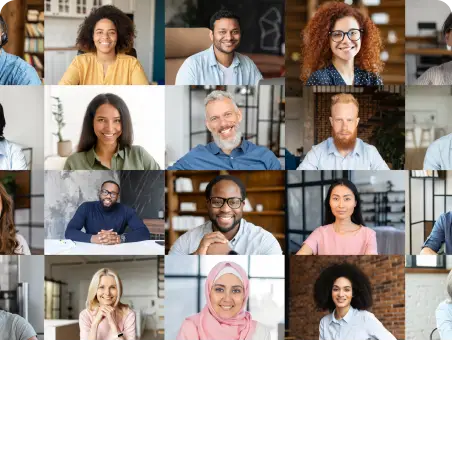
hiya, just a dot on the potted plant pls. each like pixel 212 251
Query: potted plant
pixel 64 147
pixel 9 182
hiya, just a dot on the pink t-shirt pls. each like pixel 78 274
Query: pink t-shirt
pixel 325 241
pixel 126 325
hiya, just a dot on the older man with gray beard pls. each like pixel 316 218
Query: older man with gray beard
pixel 229 151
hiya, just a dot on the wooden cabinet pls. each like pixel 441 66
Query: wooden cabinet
pixel 81 8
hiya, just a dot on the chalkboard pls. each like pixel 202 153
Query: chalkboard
pixel 144 191
pixel 262 22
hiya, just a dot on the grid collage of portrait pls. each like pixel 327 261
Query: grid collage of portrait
pixel 225 170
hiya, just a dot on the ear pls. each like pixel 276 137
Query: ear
pixel 239 115
pixel 357 121
pixel 207 125
pixel 331 121
pixel 211 35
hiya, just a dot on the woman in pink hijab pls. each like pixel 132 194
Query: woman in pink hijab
pixel 224 317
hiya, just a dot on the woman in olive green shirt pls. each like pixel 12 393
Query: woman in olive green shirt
pixel 106 139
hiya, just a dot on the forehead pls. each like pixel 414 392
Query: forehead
pixel 107 279
pixel 229 279
pixel 219 106
pixel 225 24
pixel 110 187
pixel 105 24
pixel 346 23
pixel 341 191
pixel 344 109
pixel 342 282
pixel 107 110
pixel 226 188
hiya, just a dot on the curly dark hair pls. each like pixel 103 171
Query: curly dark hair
pixel 124 28
pixel 357 216
pixel 362 289
pixel 223 14
pixel 315 47
pixel 88 138
pixel 8 241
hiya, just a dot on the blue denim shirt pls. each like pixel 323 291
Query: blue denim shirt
pixel 442 232
pixel 247 156
pixel 15 71
pixel 202 68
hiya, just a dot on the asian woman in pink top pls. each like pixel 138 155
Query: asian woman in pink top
pixel 105 317
pixel 343 232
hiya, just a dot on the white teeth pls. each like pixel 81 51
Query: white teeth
pixel 226 131
pixel 227 308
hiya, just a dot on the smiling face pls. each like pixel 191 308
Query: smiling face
pixel 344 122
pixel 347 49
pixel 108 200
pixel 105 36
pixel 342 202
pixel 342 292
pixel 227 296
pixel 107 291
pixel 223 121
pixel 225 35
pixel 107 124
pixel 225 218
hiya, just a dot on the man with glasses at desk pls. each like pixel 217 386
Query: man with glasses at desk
pixel 106 220
pixel 227 231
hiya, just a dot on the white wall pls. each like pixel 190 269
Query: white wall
pixel 424 11
pixel 139 280
pixel 146 105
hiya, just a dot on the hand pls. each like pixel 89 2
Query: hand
pixel 109 313
pixel 99 316
pixel 106 237
pixel 218 249
pixel 208 239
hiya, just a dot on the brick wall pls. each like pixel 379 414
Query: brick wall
pixel 388 286
pixel 367 108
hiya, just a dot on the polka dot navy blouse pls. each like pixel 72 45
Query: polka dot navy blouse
pixel 331 77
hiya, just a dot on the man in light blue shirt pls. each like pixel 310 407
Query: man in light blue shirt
pixel 11 155
pixel 14 70
pixel 220 64
pixel 343 151
pixel 228 151
pixel 439 154
pixel 225 198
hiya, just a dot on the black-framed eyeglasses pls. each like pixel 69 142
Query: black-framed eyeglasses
pixel 354 34
pixel 233 202
pixel 111 194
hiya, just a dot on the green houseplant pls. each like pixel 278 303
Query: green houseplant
pixel 64 147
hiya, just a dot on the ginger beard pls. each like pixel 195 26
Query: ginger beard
pixel 345 140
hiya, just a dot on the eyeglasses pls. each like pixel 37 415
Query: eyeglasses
pixel 218 202
pixel 111 194
pixel 354 35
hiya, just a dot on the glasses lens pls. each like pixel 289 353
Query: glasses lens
pixel 234 203
pixel 112 194
pixel 216 202
pixel 337 36
pixel 354 35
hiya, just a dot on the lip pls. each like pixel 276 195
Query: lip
pixel 225 132
pixel 225 220
pixel 226 307
pixel 345 49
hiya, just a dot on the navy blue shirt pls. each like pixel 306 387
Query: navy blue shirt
pixel 15 71
pixel 93 217
pixel 442 232
pixel 247 156
pixel 329 76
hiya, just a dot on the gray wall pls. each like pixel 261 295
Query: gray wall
pixel 65 191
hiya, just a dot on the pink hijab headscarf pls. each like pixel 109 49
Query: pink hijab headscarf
pixel 208 325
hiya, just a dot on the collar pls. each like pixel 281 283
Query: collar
pixel 347 318
pixel 213 60
pixel 91 156
pixel 332 147
pixel 3 146
pixel 215 150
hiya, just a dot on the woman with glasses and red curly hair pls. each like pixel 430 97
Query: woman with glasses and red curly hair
pixel 341 46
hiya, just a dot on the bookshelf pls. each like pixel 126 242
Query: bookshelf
pixel 265 188
pixel 34 36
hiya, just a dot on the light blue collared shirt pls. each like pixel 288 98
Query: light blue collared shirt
pixel 11 156
pixel 15 71
pixel 249 240
pixel 202 68
pixel 325 156
pixel 439 154
pixel 355 325
pixel 444 320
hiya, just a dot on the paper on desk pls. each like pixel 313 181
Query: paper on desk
pixel 58 246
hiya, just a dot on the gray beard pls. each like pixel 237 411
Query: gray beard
pixel 228 144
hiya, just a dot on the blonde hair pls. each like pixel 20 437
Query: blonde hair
pixel 92 303
pixel 344 98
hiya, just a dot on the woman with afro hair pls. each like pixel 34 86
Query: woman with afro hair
pixel 340 46
pixel 105 37
pixel 345 291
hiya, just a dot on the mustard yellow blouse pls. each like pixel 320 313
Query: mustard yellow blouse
pixel 85 69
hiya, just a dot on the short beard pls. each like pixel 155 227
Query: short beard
pixel 347 143
pixel 107 208
pixel 228 144
pixel 222 229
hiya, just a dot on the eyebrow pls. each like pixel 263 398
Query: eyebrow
pixel 346 195
pixel 222 285
pixel 108 29
pixel 346 286
pixel 105 117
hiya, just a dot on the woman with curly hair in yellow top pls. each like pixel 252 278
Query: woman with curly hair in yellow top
pixel 105 37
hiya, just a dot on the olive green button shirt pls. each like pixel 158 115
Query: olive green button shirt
pixel 134 158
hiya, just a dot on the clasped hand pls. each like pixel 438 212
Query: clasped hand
pixel 106 237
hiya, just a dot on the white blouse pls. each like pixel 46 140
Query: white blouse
pixel 438 76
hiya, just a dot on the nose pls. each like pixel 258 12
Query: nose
pixel 225 207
